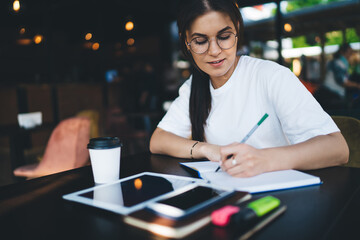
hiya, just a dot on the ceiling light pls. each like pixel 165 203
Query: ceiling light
pixel 130 41
pixel 287 27
pixel 95 46
pixel 88 36
pixel 16 5
pixel 38 38
pixel 129 26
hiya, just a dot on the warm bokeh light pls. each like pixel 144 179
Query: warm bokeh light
pixel 185 74
pixel 119 53
pixel 130 41
pixel 24 41
pixel 131 49
pixel 296 67
pixel 22 30
pixel 38 38
pixel 118 45
pixel 95 46
pixel 88 36
pixel 16 5
pixel 138 183
pixel 287 27
pixel 88 45
pixel 129 26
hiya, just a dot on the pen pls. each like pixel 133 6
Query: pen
pixel 250 133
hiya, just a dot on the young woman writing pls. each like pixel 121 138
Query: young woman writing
pixel 227 94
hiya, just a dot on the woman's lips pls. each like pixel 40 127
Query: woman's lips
pixel 216 63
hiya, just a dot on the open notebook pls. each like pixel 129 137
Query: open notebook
pixel 261 183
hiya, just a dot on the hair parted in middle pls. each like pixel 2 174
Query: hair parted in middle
pixel 200 97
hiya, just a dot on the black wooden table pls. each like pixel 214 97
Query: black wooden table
pixel 34 209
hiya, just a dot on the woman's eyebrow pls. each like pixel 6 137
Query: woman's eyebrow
pixel 198 35
pixel 224 29
pixel 204 35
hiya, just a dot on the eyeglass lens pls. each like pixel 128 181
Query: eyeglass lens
pixel 225 41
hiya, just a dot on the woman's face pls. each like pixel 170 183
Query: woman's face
pixel 218 63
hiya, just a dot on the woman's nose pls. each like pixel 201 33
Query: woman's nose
pixel 214 48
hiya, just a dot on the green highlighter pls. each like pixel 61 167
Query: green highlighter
pixel 264 205
pixel 245 216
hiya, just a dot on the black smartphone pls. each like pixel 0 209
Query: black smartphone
pixel 189 201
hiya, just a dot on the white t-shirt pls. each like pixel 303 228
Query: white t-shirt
pixel 256 87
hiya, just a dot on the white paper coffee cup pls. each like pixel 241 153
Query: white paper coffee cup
pixel 105 158
pixel 111 194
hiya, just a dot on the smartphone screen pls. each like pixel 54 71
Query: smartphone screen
pixel 189 201
pixel 191 198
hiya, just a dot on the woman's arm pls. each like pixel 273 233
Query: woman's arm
pixel 163 142
pixel 318 152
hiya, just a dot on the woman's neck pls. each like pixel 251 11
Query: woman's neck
pixel 218 82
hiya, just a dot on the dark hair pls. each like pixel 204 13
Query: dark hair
pixel 200 97
pixel 342 49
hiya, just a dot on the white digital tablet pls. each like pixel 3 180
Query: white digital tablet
pixel 133 193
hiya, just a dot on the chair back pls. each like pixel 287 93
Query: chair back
pixel 65 150
pixel 350 129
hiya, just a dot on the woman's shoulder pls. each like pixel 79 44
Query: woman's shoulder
pixel 186 86
pixel 260 64
pixel 262 70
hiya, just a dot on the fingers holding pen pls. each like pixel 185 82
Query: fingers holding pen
pixel 242 160
pixel 230 156
pixel 228 151
pixel 245 160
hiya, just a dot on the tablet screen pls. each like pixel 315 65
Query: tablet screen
pixel 135 190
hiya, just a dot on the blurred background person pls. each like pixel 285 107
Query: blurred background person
pixel 338 91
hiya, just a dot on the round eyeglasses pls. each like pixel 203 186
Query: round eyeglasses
pixel 224 40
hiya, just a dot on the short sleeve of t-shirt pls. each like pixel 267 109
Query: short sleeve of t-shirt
pixel 177 120
pixel 300 115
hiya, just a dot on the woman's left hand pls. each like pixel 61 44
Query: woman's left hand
pixel 242 160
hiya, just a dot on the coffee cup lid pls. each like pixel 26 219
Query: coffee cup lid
pixel 104 143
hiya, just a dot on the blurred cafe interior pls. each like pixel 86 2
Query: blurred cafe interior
pixel 118 63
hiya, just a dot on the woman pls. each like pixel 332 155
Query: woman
pixel 227 94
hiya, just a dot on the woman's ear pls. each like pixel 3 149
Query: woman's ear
pixel 186 43
pixel 187 46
